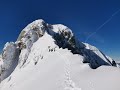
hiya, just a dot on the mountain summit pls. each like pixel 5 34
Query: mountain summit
pixel 50 55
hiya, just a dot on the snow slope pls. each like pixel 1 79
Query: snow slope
pixel 48 57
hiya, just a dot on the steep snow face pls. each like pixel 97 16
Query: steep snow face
pixel 40 48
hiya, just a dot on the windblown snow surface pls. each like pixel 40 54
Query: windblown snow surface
pixel 41 64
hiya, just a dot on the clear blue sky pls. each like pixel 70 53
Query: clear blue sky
pixel 82 16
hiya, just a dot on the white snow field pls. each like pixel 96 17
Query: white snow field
pixel 40 60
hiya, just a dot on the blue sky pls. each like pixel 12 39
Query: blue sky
pixel 82 16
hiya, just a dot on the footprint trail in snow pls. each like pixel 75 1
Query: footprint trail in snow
pixel 69 84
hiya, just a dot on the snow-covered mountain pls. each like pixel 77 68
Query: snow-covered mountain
pixel 49 57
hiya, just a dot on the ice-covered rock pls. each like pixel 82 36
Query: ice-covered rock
pixel 65 38
pixel 10 58
pixel 95 57
pixel 1 63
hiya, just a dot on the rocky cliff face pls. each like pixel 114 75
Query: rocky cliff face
pixel 17 53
